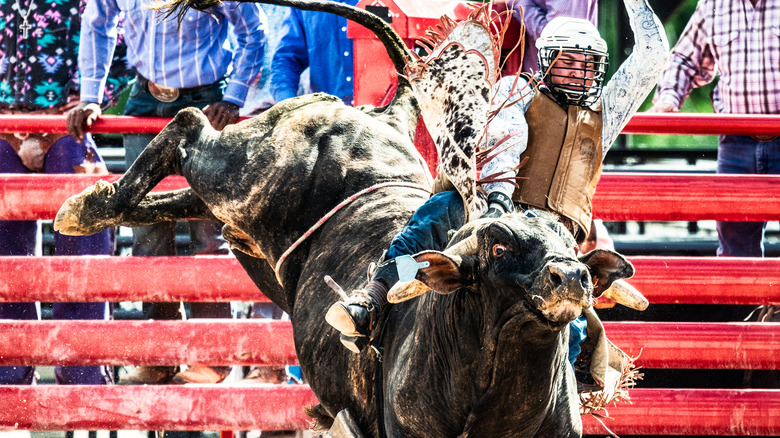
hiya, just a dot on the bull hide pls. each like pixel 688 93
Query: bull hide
pixel 485 355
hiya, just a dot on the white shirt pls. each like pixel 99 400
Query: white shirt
pixel 620 99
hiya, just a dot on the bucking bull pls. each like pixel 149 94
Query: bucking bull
pixel 484 356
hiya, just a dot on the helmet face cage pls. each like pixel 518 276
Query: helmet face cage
pixel 594 70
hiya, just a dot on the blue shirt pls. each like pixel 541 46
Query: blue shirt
pixel 189 56
pixel 317 40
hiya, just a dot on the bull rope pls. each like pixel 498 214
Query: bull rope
pixel 333 211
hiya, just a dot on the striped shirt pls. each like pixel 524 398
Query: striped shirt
pixel 737 41
pixel 537 13
pixel 179 57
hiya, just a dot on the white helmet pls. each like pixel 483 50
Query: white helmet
pixel 574 35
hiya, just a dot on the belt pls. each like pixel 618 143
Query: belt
pixel 764 138
pixel 163 93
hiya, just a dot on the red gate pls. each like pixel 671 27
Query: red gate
pixel 674 411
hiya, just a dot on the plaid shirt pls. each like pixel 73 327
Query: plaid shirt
pixel 738 41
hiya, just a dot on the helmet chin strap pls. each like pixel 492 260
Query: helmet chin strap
pixel 554 94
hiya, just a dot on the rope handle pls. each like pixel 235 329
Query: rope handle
pixel 333 211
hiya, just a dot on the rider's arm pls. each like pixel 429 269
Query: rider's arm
pixel 510 126
pixel 636 77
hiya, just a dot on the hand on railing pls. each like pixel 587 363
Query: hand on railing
pixel 81 118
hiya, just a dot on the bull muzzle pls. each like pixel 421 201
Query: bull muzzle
pixel 565 291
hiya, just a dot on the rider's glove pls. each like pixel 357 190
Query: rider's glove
pixel 498 204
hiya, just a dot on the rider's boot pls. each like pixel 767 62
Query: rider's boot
pixel 356 317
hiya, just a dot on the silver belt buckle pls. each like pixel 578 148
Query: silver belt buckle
pixel 163 93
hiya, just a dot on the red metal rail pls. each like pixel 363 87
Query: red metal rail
pixel 162 407
pixel 643 123
pixel 697 123
pixel 726 345
pixel 37 196
pixel 104 125
pixel 664 280
pixel 708 280
pixel 684 197
pixel 197 341
pixel 694 412
pixel 223 342
pixel 277 407
pixel 619 196
pixel 164 279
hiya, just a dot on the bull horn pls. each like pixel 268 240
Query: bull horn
pixel 465 247
pixel 406 290
pixel 623 293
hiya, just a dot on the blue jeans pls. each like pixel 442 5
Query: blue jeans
pixel 428 229
pixel 159 239
pixel 743 155
pixel 429 226
pixel 17 238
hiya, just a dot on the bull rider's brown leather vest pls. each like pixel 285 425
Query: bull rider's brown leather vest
pixel 564 159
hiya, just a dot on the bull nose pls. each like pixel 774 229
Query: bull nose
pixel 565 276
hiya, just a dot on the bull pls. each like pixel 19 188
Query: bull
pixel 314 187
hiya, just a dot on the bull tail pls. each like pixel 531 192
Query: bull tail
pixel 396 49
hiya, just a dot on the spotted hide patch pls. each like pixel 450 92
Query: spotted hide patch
pixel 453 85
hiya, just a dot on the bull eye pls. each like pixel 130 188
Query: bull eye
pixel 498 250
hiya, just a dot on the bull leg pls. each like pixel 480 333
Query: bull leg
pixel 241 241
pixel 107 204
pixel 167 206
pixel 184 204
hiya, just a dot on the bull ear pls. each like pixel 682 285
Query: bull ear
pixel 443 275
pixel 605 267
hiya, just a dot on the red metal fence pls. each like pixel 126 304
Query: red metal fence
pixel 664 280
pixel 620 196
pixel 673 411
pixel 736 345
pixel 672 123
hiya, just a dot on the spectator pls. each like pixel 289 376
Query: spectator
pixel 38 75
pixel 179 64
pixel 738 41
pixel 568 98
pixel 537 13
pixel 259 97
pixel 318 41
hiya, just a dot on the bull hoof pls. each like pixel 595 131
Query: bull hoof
pixel 80 215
